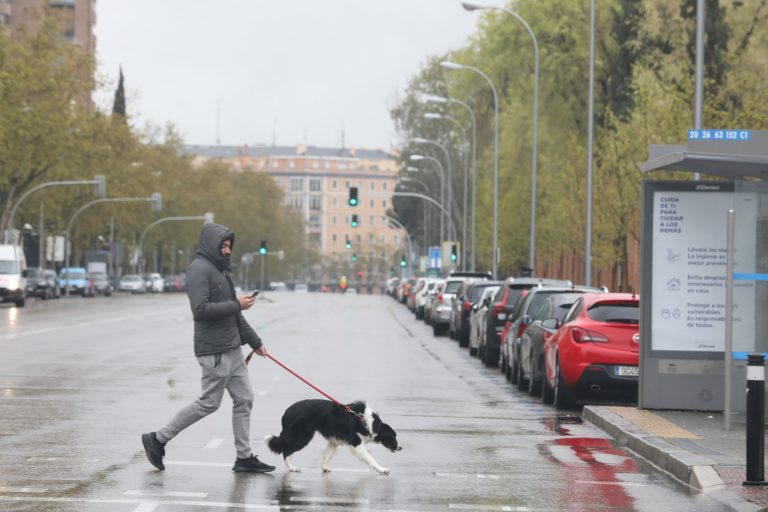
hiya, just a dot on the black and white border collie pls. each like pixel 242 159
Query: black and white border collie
pixel 338 426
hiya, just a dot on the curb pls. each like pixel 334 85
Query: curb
pixel 696 470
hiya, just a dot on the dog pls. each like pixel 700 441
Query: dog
pixel 354 428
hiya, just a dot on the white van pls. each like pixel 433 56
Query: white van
pixel 13 283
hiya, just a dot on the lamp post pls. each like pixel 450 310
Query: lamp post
pixel 448 184
pixel 398 225
pixel 426 205
pixel 439 99
pixel 472 6
pixel 495 229
pixel 100 190
pixel 207 218
pixel 431 200
pixel 441 171
pixel 435 115
pixel 156 200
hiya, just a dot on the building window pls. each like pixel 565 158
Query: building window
pixel 297 203
pixel 334 183
pixel 291 164
pixel 334 221
pixel 333 239
pixel 346 184
pixel 384 186
pixel 314 184
pixel 373 204
pixel 384 204
pixel 297 184
pixel 373 185
pixel 371 221
pixel 314 221
pixel 315 203
pixel 335 202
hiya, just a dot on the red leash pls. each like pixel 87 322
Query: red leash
pixel 305 381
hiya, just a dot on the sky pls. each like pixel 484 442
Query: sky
pixel 272 71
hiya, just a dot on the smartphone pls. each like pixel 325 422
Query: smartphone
pixel 255 293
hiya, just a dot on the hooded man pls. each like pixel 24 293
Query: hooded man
pixel 220 330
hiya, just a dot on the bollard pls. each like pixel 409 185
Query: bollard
pixel 755 420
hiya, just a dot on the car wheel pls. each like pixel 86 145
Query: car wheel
pixel 473 351
pixel 463 338
pixel 503 365
pixel 436 330
pixel 533 384
pixel 522 382
pixel 490 358
pixel 513 369
pixel 562 395
pixel 21 302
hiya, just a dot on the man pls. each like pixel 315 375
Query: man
pixel 220 330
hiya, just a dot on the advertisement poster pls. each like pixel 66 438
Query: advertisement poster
pixel 689 264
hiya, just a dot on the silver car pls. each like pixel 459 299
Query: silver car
pixel 477 318
pixel 441 308
pixel 132 283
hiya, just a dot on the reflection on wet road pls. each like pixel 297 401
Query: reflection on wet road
pixel 79 384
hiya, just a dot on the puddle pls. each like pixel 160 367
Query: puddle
pixel 560 424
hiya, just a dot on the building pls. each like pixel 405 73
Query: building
pixel 78 19
pixel 316 182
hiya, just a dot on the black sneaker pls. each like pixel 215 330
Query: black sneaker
pixel 154 449
pixel 252 465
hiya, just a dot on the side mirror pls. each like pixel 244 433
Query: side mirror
pixel 25 273
pixel 550 323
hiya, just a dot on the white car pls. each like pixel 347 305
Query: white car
pixel 301 288
pixel 131 283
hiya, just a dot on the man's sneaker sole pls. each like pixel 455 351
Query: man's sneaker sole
pixel 146 440
pixel 237 469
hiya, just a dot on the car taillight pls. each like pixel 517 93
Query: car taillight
pixel 585 336
pixel 440 298
pixel 522 326
pixel 467 305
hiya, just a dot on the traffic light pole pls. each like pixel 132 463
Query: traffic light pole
pixel 263 259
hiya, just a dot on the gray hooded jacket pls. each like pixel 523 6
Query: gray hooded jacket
pixel 219 323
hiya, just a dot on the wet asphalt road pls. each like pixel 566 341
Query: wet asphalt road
pixel 81 379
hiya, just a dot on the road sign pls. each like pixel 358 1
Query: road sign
pixel 434 257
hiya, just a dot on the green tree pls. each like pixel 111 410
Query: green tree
pixel 118 106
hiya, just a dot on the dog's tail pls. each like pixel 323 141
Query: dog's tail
pixel 274 443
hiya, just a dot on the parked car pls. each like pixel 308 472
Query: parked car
pixel 501 308
pixel 522 317
pixel 392 283
pixel 467 296
pixel 530 362
pixel 595 350
pixel 430 300
pixel 42 283
pixel 78 281
pixel 278 286
pixel 441 308
pixel 101 283
pixel 173 283
pixel 301 288
pixel 477 317
pixel 133 283
pixel 421 297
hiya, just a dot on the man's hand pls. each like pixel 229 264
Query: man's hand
pixel 246 302
pixel 262 350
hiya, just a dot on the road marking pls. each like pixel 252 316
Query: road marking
pixel 143 505
pixel 329 501
pixel 623 484
pixel 166 494
pixel 214 443
pixel 31 490
pixel 503 508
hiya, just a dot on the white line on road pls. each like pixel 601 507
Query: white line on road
pixel 214 443
pixel 329 501
pixel 503 508
pixel 167 494
pixel 31 490
pixel 142 503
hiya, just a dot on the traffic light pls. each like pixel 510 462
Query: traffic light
pixel 354 257
pixel 263 248
pixel 454 256
pixel 352 196
pixel 403 261
pixel 354 220
pixel 348 244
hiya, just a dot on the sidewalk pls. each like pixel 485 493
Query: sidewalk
pixel 691 445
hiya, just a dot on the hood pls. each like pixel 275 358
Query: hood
pixel 209 245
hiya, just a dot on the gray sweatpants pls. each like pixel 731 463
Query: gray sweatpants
pixel 220 371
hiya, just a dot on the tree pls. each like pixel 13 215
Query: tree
pixel 118 106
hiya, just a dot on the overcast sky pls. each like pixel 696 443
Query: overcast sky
pixel 245 71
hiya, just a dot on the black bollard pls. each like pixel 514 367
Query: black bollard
pixel 755 420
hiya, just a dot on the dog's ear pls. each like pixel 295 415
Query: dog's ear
pixel 377 423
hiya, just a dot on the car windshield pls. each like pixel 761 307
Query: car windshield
pixel 513 295
pixel 615 312
pixel 9 267
pixel 452 286
pixel 73 274
pixel 131 278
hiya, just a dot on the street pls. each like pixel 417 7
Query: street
pixel 81 379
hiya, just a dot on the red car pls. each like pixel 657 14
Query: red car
pixel 596 349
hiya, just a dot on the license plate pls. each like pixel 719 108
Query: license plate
pixel 627 371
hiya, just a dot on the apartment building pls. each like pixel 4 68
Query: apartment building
pixel 316 182
pixel 78 18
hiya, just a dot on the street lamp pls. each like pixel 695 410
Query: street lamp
pixel 435 115
pixel 495 255
pixel 449 180
pixel 207 218
pixel 472 6
pixel 426 205
pixel 441 172
pixel 439 99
